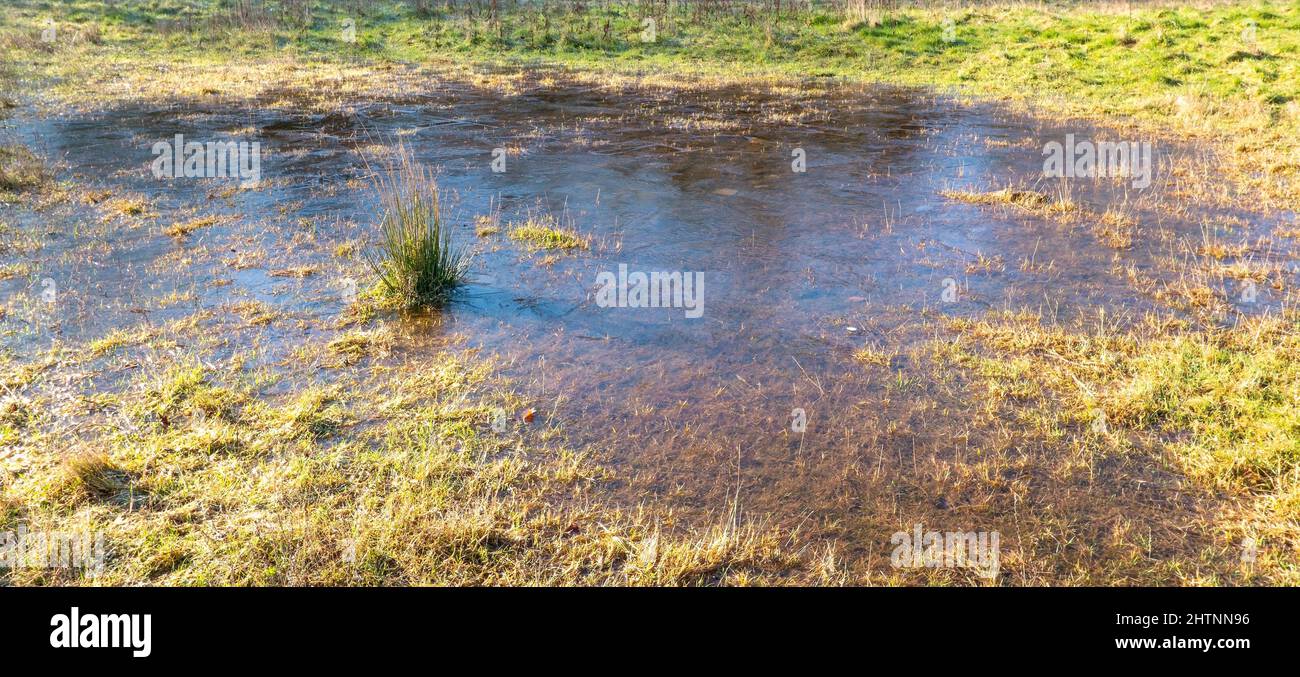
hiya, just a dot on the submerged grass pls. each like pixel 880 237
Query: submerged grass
pixel 415 260
pixel 1216 405
pixel 1028 200
pixel 393 475
pixel 199 472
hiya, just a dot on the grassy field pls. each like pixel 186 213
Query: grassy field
pixel 1224 72
pixel 201 476
pixel 187 460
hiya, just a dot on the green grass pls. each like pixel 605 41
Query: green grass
pixel 1179 70
pixel 391 474
pixel 1217 405
pixel 1100 54
pixel 543 233
pixel 1237 395
pixel 1103 52
pixel 415 260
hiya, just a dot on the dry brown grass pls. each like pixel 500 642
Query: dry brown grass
pixel 1032 201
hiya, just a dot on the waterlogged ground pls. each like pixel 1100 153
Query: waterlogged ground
pixel 823 290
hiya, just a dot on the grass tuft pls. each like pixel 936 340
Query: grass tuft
pixel 415 260
pixel 182 228
pixel 1028 200
pixel 20 170
pixel 545 233
pixel 94 475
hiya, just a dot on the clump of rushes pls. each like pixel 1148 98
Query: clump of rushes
pixel 414 260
